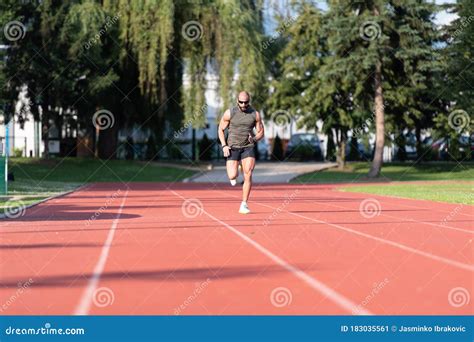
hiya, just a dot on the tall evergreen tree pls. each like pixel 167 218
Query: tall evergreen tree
pixel 386 54
pixel 37 60
pixel 357 61
pixel 304 88
pixel 457 83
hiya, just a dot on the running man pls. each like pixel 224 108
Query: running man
pixel 241 120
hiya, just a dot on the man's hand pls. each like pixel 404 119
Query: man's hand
pixel 226 151
pixel 251 139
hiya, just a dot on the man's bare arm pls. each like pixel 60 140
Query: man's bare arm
pixel 259 128
pixel 223 124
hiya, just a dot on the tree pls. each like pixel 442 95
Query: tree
pixel 303 88
pixel 388 48
pixel 37 60
pixel 129 57
pixel 411 93
pixel 459 77
pixel 361 58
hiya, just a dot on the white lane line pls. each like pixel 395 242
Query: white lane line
pixel 383 213
pixel 409 219
pixel 322 288
pixel 86 300
pixel 388 242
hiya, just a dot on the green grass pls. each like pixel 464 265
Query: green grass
pixel 357 172
pixel 25 192
pixel 36 179
pixel 79 170
pixel 440 174
pixel 451 192
pixel 13 204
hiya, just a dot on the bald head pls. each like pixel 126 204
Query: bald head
pixel 243 100
pixel 244 96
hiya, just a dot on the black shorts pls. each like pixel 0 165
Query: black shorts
pixel 237 153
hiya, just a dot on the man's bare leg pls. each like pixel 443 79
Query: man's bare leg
pixel 232 167
pixel 248 165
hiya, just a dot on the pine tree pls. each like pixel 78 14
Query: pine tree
pixel 304 87
pixel 459 78
pixel 277 149
pixel 386 54
pixel 348 65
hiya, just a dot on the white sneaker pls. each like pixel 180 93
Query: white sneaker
pixel 244 209
pixel 233 182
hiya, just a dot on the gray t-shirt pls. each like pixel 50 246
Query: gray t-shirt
pixel 240 126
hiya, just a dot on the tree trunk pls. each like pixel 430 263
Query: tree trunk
pixel 419 146
pixel 379 124
pixel 341 150
pixel 341 155
pixel 330 146
pixel 45 134
pixel 107 142
pixel 96 142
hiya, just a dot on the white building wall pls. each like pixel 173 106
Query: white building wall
pixel 19 138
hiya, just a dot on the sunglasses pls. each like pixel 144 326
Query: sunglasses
pixel 244 102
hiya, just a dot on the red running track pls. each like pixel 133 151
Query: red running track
pixel 156 248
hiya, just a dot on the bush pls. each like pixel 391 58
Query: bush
pixel 17 152
pixel 331 149
pixel 277 149
pixel 400 141
pixel 174 152
pixel 129 150
pixel 454 149
pixel 426 153
pixel 353 150
pixel 205 148
pixel 151 150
